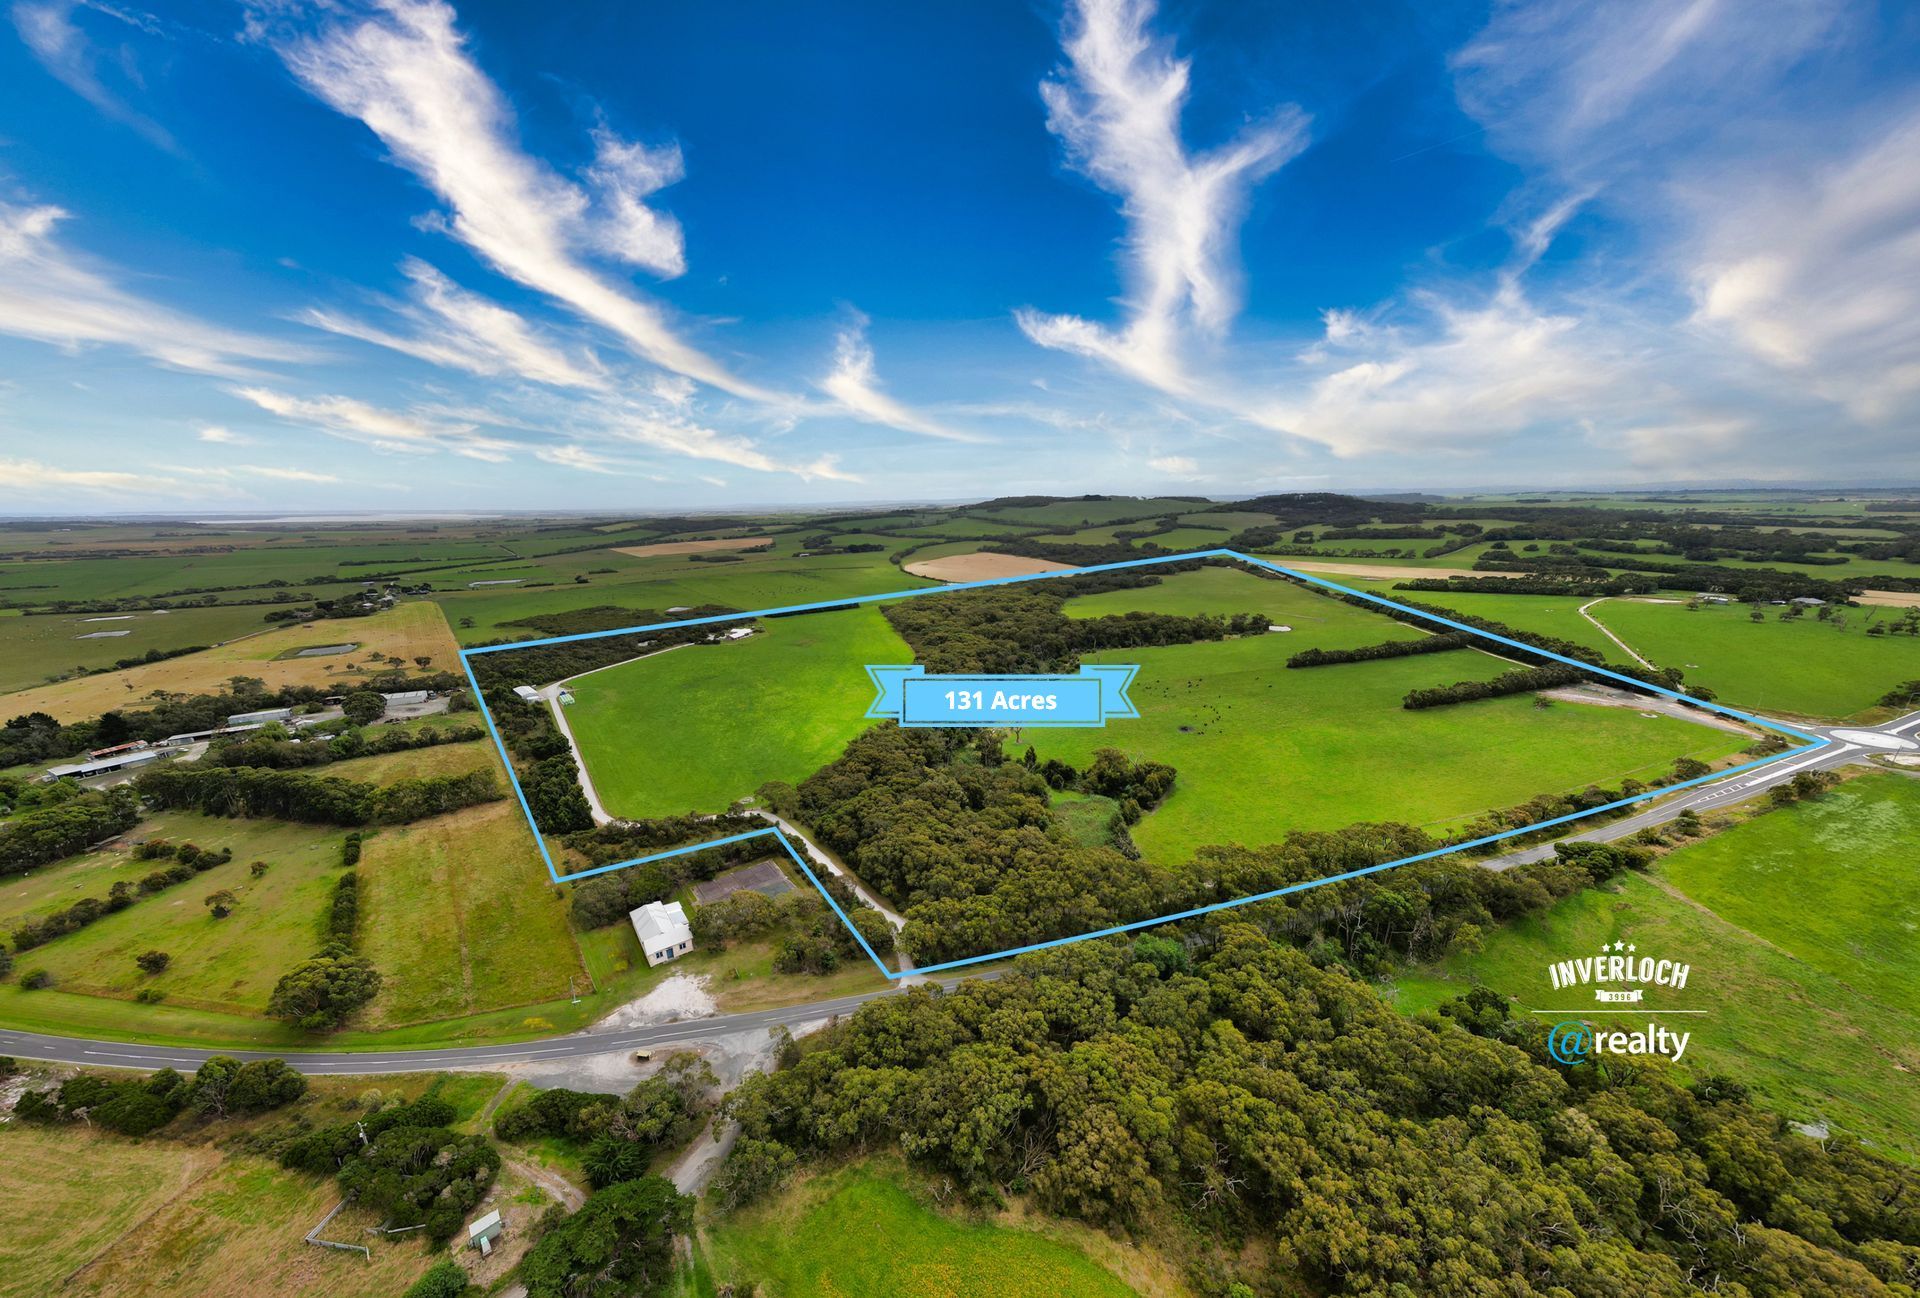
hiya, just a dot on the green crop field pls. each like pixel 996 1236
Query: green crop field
pixel 854 1233
pixel 1261 749
pixel 696 728
pixel 1796 925
pixel 1187 538
pixel 1553 615
pixel 1804 667
pixel 1088 513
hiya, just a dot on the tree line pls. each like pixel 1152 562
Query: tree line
pixel 49 833
pixel 284 754
pixel 1518 680
pixel 190 860
pixel 311 799
pixel 1385 649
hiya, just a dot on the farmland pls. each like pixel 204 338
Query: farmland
pixel 858 1234
pixel 1804 666
pixel 1813 1005
pixel 696 728
pixel 32 649
pixel 406 631
pixel 1261 749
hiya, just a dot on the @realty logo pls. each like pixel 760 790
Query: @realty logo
pixel 1619 976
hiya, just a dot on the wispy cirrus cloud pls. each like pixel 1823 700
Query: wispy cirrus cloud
pixel 405 72
pixel 375 426
pixel 458 329
pixel 236 472
pixel 50 293
pixel 49 29
pixel 31 478
pixel 854 384
pixel 1117 106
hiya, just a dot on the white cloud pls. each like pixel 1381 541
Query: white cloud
pixel 385 430
pixel 406 73
pixel 1117 106
pixel 228 472
pixel 47 27
pixel 856 387
pixel 623 175
pixel 577 457
pixel 462 330
pixel 222 436
pixel 51 294
pixel 31 477
pixel 1175 466
pixel 1814 267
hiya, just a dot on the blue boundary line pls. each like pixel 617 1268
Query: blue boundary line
pixel 1812 744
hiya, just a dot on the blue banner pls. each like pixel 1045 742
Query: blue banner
pixel 1086 700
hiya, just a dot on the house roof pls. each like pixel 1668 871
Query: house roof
pixel 661 924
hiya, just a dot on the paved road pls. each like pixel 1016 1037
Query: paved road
pixel 1847 744
pixel 114 1054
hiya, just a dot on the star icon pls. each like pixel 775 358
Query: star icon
pixel 1632 947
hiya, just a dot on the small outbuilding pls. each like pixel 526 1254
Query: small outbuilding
pixel 407 698
pixel 261 717
pixel 663 931
pixel 527 694
pixel 484 1231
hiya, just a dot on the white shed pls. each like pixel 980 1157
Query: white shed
pixel 663 931
pixel 484 1231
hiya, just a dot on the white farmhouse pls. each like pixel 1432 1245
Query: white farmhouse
pixel 663 931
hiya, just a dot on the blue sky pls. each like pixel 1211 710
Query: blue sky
pixel 604 255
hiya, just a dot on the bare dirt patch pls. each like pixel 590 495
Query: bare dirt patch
pixel 692 547
pixel 981 566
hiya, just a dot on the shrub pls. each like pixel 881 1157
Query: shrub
pixel 444 1280
pixel 320 991
pixel 34 980
pixel 152 962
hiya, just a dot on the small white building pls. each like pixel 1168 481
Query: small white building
pixel 123 761
pixel 407 698
pixel 527 694
pixel 261 717
pixel 663 931
pixel 1808 601
pixel 484 1231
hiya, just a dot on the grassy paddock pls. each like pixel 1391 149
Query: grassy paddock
pixel 858 1232
pixel 696 728
pixel 1794 923
pixel 1261 749
pixel 35 648
pixel 1805 667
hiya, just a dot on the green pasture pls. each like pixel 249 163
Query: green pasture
pixel 1261 749
pixel 1804 667
pixel 693 729
pixel 1225 589
pixel 855 1233
pixel 33 649
pixel 1797 925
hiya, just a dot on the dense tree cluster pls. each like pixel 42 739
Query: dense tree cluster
pixel 222 1088
pixel 1432 644
pixel 59 829
pixel 323 989
pixel 343 910
pixel 968 849
pixel 312 799
pixel 1244 1096
pixel 1575 585
pixel 620 1243
pixel 405 1163
pixel 1518 680
pixel 621 1135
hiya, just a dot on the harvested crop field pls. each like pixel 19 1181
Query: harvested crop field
pixel 1889 598
pixel 693 547
pixel 980 566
